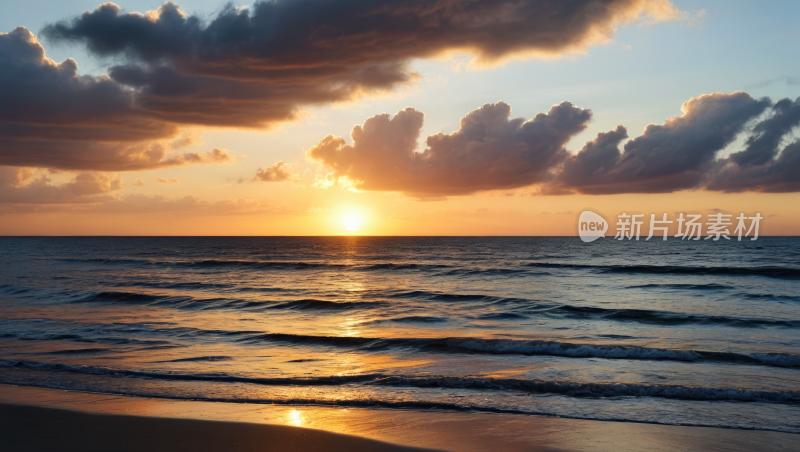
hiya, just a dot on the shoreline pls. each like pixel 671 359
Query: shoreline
pixel 196 424
pixel 67 430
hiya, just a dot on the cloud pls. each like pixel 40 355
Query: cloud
pixel 139 204
pixel 765 83
pixel 172 181
pixel 762 165
pixel 365 41
pixel 254 67
pixel 697 20
pixel 279 172
pixel 51 117
pixel 93 183
pixel 18 185
pixel 14 177
pixel 667 157
pixel 137 183
pixel 489 151
pixel 762 145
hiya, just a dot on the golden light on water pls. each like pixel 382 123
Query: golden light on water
pixel 296 418
pixel 352 222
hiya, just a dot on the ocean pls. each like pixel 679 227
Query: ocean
pixel 671 332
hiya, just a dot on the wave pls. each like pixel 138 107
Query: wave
pixel 451 270
pixel 666 318
pixel 471 271
pixel 595 390
pixel 533 386
pixel 284 265
pixel 525 308
pixel 9 289
pixel 710 286
pixel 80 351
pixel 392 266
pixel 502 316
pixel 767 271
pixel 262 264
pixel 410 319
pixel 432 268
pixel 443 296
pixel 770 296
pixel 187 302
pixel 109 334
pixel 530 347
pixel 130 297
pixel 770 272
pixel 198 359
pixel 312 304
pixel 175 285
pixel 778 359
pixel 433 405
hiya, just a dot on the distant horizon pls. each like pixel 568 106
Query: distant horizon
pixel 642 239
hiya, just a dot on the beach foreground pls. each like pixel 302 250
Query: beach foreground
pixel 45 429
pixel 46 419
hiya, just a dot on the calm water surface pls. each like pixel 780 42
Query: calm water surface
pixel 700 333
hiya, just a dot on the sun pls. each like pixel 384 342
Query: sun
pixel 352 222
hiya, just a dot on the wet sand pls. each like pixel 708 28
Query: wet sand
pixel 33 419
pixel 29 428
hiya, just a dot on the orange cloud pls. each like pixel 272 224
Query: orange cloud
pixel 279 172
pixel 489 151
pixel 17 185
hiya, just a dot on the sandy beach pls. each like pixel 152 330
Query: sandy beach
pixel 24 429
pixel 35 419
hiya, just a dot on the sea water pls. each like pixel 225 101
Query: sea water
pixel 676 332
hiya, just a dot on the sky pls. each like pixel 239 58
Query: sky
pixel 420 118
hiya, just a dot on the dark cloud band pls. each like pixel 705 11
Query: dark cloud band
pixel 253 67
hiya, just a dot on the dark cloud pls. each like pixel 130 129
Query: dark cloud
pixel 279 172
pixel 762 145
pixel 489 151
pixel 54 118
pixel 778 175
pixel 252 67
pixel 667 157
pixel 361 41
pixel 762 165
pixel 49 101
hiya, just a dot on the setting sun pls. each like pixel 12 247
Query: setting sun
pixel 352 222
